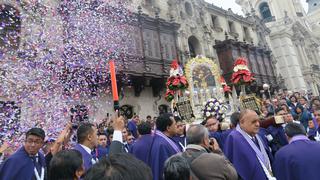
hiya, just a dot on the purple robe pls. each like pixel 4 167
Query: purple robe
pixel 102 151
pixel 298 160
pixel 278 137
pixel 221 137
pixel 133 128
pixel 180 141
pixel 141 148
pixel 87 158
pixel 161 150
pixel 243 157
pixel 19 166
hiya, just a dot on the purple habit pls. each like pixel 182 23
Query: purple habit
pixel 132 126
pixel 141 148
pixel 221 137
pixel 243 157
pixel 180 141
pixel 298 160
pixel 19 166
pixel 102 151
pixel 161 150
pixel 87 158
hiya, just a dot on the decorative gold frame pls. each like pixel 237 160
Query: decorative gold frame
pixel 215 71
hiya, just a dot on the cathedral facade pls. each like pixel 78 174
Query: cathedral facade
pixel 294 39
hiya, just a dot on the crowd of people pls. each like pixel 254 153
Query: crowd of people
pixel 281 141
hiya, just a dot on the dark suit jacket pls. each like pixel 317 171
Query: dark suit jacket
pixel 116 147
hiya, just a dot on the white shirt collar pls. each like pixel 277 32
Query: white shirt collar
pixel 251 137
pixel 86 148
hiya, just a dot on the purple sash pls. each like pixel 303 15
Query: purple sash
pixel 298 138
pixel 172 144
pixel 261 153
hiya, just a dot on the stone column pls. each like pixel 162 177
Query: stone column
pixel 300 54
pixel 305 56
pixel 287 61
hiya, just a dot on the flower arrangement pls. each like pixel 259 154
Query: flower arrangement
pixel 241 73
pixel 177 81
pixel 215 108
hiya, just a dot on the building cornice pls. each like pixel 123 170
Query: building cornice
pixel 228 14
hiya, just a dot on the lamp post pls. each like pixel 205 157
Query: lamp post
pixel 266 87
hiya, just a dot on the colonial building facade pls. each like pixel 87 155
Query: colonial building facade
pixel 294 39
pixel 162 31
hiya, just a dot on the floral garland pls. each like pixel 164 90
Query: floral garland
pixel 177 81
pixel 215 108
pixel 241 73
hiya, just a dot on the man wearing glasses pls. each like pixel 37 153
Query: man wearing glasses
pixel 27 163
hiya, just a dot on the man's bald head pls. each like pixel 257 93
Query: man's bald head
pixel 249 121
pixel 245 112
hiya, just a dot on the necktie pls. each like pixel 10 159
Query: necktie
pixel 36 163
pixel 94 156
pixel 254 139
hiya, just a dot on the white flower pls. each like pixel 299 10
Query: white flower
pixel 207 114
pixel 216 108
pixel 217 104
pixel 211 104
pixel 208 108
pixel 240 67
pixel 213 113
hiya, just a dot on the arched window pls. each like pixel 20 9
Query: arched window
pixel 194 46
pixel 10 25
pixel 265 11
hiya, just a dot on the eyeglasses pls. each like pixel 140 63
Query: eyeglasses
pixel 37 142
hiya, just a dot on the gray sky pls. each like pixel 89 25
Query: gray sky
pixel 225 4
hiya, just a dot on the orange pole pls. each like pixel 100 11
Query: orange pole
pixel 114 84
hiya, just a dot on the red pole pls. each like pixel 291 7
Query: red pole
pixel 114 85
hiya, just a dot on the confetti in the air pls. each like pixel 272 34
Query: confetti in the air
pixel 52 55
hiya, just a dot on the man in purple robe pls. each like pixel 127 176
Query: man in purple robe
pixel 274 134
pixel 142 146
pixel 87 141
pixel 299 159
pixel 180 137
pixel 162 144
pixel 245 149
pixel 27 163
pixel 102 150
pixel 132 125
